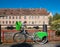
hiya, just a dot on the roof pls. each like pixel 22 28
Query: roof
pixel 23 11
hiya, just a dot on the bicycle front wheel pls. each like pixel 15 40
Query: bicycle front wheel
pixel 19 38
pixel 41 41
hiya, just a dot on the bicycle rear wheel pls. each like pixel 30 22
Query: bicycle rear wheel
pixel 41 41
pixel 19 38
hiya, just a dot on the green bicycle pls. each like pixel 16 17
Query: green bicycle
pixel 37 37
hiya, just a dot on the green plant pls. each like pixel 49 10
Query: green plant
pixel 55 23
pixel 57 33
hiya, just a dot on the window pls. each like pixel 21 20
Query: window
pixel 9 17
pixel 3 22
pixel 19 17
pixel 6 17
pixel 9 22
pixel 13 17
pixel 4 12
pixel 11 13
pixel 33 10
pixel 13 22
pixel 38 17
pixel 25 22
pixel 29 22
pixel 6 22
pixel 24 17
pixel 32 22
pixel 16 17
pixel 32 17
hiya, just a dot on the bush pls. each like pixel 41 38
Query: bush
pixel 57 33
pixel 10 27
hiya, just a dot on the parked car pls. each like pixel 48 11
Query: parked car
pixel 36 27
pixel 10 27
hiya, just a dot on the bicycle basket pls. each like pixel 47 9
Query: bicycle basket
pixel 18 25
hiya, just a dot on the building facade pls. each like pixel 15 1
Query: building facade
pixel 32 16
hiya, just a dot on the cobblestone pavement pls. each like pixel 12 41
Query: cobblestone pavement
pixel 33 45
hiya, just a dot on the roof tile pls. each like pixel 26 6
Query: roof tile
pixel 23 11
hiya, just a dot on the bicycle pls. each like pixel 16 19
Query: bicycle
pixel 37 37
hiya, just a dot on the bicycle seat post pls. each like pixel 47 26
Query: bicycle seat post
pixel 24 26
pixel 23 29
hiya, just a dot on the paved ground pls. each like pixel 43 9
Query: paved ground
pixel 32 45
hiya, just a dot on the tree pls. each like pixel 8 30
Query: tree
pixel 50 20
pixel 55 23
pixel 56 16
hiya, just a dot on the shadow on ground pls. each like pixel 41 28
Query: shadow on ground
pixel 58 45
pixel 22 45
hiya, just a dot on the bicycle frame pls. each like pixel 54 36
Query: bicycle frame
pixel 39 34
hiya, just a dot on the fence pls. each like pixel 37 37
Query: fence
pixel 7 35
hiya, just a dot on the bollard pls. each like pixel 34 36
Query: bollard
pixel 44 27
pixel 45 30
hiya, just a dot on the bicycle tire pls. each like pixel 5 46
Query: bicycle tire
pixel 39 41
pixel 19 37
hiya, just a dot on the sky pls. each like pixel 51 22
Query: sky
pixel 50 5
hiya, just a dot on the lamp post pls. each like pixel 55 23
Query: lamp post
pixel 0 31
